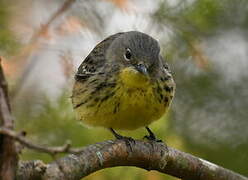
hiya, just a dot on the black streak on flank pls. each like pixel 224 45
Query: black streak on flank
pixel 161 97
pixel 81 77
pixel 104 85
pixel 159 90
pixel 107 96
pixel 92 81
pixel 79 92
pixel 96 99
pixel 117 106
pixel 166 99
pixel 80 104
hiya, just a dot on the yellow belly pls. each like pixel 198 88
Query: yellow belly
pixel 126 110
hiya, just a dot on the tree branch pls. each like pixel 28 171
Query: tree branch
pixel 66 148
pixel 8 154
pixel 146 155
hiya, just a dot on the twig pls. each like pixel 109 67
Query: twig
pixel 28 49
pixel 4 85
pixel 146 155
pixel 66 148
pixel 65 6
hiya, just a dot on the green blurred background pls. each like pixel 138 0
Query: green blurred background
pixel 204 41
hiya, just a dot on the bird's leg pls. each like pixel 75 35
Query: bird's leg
pixel 151 136
pixel 128 140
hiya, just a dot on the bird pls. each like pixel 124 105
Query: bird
pixel 123 84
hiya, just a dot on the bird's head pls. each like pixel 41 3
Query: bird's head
pixel 137 56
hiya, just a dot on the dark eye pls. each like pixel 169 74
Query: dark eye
pixel 128 54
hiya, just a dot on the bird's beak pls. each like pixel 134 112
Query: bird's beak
pixel 141 68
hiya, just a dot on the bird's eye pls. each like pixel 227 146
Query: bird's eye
pixel 128 54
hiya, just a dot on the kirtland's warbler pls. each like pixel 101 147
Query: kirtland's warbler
pixel 123 83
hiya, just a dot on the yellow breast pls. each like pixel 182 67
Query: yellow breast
pixel 134 102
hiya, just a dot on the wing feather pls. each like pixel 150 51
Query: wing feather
pixel 95 60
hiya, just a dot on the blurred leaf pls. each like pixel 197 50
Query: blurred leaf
pixel 70 25
pixel 8 44
pixel 122 4
pixel 204 14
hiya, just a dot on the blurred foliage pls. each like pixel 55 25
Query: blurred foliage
pixel 8 44
pixel 209 110
pixel 208 116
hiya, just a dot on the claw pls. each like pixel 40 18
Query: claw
pixel 151 136
pixel 128 140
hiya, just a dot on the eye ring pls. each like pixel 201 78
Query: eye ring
pixel 128 54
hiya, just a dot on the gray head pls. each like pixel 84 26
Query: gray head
pixel 135 49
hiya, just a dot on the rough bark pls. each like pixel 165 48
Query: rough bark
pixel 146 155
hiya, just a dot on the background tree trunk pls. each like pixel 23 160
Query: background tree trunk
pixel 8 153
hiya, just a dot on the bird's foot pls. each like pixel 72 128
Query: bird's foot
pixel 151 136
pixel 128 140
